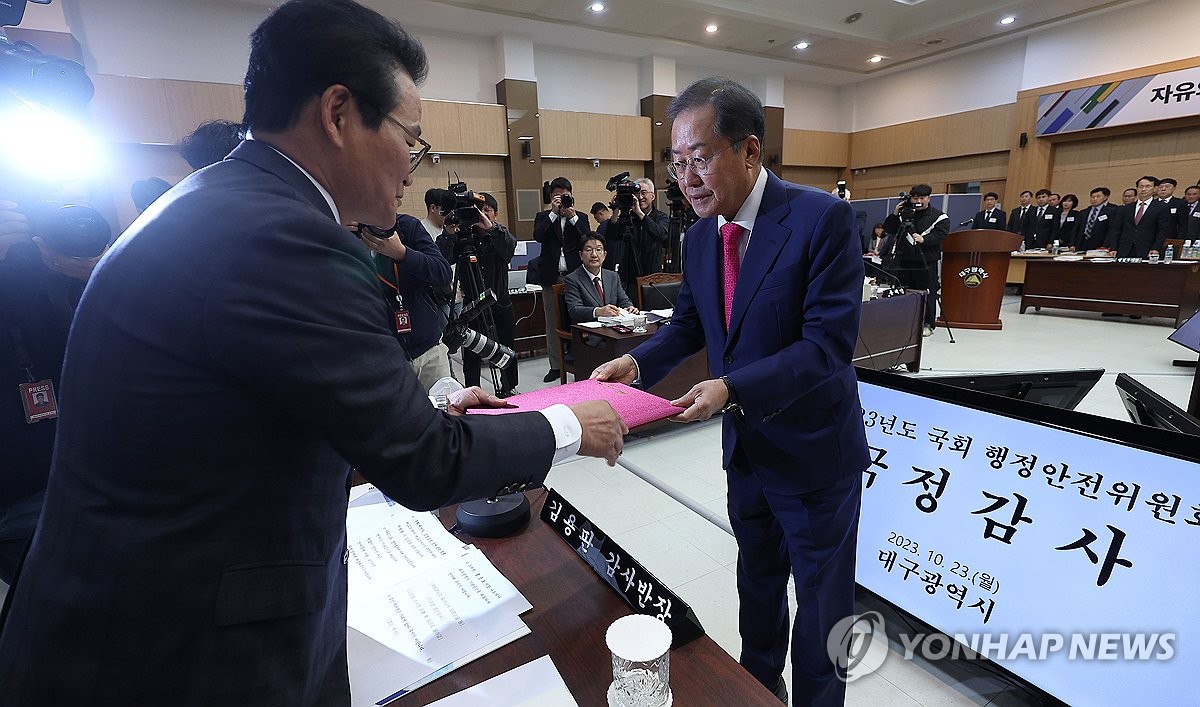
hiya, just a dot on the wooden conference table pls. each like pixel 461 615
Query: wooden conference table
pixel 592 347
pixel 1169 290
pixel 571 611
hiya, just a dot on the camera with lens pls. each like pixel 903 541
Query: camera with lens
pixel 626 190
pixel 73 230
pixel 459 333
pixel 907 211
pixel 675 195
pixel 467 205
pixel 565 201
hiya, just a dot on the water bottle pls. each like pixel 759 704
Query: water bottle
pixel 1154 256
pixel 1189 251
pixel 1022 248
pixel 1169 255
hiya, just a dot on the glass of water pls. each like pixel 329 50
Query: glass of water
pixel 641 652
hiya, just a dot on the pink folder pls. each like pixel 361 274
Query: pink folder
pixel 636 407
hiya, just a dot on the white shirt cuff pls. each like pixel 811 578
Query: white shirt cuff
pixel 568 433
pixel 553 217
pixel 573 220
pixel 637 371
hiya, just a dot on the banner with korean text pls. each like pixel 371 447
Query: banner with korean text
pixel 1137 100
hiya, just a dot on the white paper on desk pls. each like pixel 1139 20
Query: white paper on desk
pixel 535 684
pixel 441 615
pixel 625 318
pixel 590 325
pixel 388 543
pixel 664 313
pixel 373 668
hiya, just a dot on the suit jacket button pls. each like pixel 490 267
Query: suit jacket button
pixel 728 359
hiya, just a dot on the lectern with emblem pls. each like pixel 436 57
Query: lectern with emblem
pixel 974 268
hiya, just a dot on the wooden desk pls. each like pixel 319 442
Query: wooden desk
pixel 531 331
pixel 571 611
pixel 592 347
pixel 1145 289
pixel 889 332
pixel 1017 264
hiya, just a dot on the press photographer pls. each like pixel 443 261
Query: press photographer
pixel 637 231
pixel 559 230
pixel 917 231
pixel 481 250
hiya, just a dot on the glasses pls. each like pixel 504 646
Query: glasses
pixel 596 249
pixel 698 165
pixel 414 158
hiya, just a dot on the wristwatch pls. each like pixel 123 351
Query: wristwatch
pixel 734 403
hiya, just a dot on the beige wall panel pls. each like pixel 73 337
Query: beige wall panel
pixel 973 132
pixel 1118 162
pixel 466 128
pixel 479 172
pixel 127 109
pixel 815 148
pixel 568 134
pixel 891 179
pixel 588 182
pixel 820 177
pixel 192 102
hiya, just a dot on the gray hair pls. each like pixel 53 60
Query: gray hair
pixel 739 113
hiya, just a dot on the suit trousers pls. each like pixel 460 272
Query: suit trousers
pixel 814 537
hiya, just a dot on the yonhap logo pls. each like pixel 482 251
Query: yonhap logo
pixel 858 645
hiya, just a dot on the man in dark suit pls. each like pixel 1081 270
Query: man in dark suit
pixel 778 313
pixel 1143 225
pixel 990 216
pixel 1020 220
pixel 636 236
pixel 1095 220
pixel 228 364
pixel 559 230
pixel 1043 224
pixel 588 299
pixel 1177 207
pixel 1190 224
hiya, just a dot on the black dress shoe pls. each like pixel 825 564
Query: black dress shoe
pixel 552 376
pixel 780 690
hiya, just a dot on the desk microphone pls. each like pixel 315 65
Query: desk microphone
pixel 884 272
pixel 967 222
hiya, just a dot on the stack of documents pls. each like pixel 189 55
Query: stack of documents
pixel 624 318
pixel 421 603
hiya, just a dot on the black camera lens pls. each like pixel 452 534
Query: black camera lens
pixel 566 201
pixel 75 231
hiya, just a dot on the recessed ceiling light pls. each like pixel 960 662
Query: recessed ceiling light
pixel 802 45
pixel 1008 20
pixel 711 28
pixel 658 122
pixel 851 19
pixel 875 59
pixel 932 42
pixel 596 7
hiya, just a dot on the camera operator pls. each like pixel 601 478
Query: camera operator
pixel 494 245
pixel 917 231
pixel 559 230
pixel 40 287
pixel 636 234
pixel 410 266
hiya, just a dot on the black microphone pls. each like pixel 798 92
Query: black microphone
pixel 966 223
pixel 884 272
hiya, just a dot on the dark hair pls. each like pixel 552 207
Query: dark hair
pixel 1129 189
pixel 920 190
pixel 593 236
pixel 560 183
pixel 1147 178
pixel 1193 186
pixel 992 194
pixel 878 225
pixel 306 46
pixel 1026 192
pixel 738 111
pixel 490 200
pixel 145 191
pixel 1045 192
pixel 1074 199
pixel 598 206
pixel 210 142
pixel 1103 190
pixel 435 197
pixel 1054 193
pixel 1168 180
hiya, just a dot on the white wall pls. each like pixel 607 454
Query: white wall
pixel 983 79
pixel 461 68
pixel 592 84
pixel 686 74
pixel 808 106
pixel 1129 38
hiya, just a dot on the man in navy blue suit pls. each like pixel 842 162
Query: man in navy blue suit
pixel 772 286
pixel 229 362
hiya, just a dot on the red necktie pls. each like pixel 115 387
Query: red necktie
pixel 731 235
pixel 1137 218
pixel 599 289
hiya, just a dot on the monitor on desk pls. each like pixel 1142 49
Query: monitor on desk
pixel 1146 407
pixel 1060 389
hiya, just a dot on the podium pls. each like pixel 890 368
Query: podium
pixel 974 269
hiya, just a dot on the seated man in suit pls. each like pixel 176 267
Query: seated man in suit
pixel 991 216
pixel 591 291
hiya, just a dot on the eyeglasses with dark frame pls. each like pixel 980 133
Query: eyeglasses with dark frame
pixel 414 158
pixel 698 165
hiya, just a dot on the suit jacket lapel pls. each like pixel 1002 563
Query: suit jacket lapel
pixel 268 159
pixel 766 240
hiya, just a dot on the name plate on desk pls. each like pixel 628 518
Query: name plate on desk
pixel 642 591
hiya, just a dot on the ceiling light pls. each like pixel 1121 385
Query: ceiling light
pixel 802 45
pixel 711 28
pixel 851 19
pixel 658 122
pixel 1008 20
pixel 875 59
pixel 596 7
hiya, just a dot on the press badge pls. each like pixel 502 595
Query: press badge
pixel 39 402
pixel 403 322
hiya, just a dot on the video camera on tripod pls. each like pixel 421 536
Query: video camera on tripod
pixel 626 191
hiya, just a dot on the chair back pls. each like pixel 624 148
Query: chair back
pixel 658 290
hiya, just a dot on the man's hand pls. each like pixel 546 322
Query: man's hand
pixel 390 246
pixel 473 397
pixel 484 224
pixel 918 238
pixel 556 204
pixel 603 430
pixel 568 213
pixel 608 310
pixel 77 268
pixel 704 400
pixel 619 370
pixel 14 227
pixel 632 310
